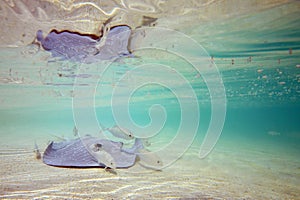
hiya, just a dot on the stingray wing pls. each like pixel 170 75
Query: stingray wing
pixel 81 48
pixel 69 154
pixel 122 159
pixel 74 153
pixel 116 43
pixel 69 45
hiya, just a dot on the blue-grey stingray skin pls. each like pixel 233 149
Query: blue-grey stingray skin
pixel 73 153
pixel 81 48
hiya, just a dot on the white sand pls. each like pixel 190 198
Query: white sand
pixel 230 172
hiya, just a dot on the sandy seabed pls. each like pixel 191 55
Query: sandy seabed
pixel 230 172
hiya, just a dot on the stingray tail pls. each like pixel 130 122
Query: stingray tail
pixel 37 151
pixel 138 145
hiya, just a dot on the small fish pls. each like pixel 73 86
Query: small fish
pixel 146 142
pixel 96 147
pixel 120 132
pixel 102 156
pixel 75 131
pixel 149 159
pixel 273 133
pixel 37 151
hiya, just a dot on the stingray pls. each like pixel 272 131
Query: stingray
pixel 84 48
pixel 78 152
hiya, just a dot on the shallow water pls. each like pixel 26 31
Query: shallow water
pixel 256 157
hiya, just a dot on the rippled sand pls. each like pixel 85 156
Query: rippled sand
pixel 230 172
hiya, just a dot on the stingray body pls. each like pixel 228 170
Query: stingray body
pixel 78 153
pixel 82 48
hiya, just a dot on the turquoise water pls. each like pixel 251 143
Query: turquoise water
pixel 258 58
